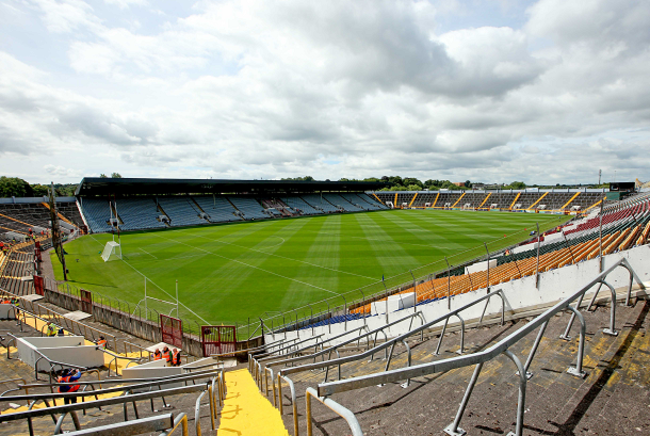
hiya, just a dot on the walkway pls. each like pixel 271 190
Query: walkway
pixel 246 412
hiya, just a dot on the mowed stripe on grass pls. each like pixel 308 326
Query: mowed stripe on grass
pixel 229 273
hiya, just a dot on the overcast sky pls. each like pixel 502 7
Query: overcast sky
pixel 494 91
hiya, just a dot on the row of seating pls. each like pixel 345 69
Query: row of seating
pixel 138 214
pixel 20 217
pixel 182 211
pixel 153 212
pixel 17 266
pixel 493 200
pixel 623 231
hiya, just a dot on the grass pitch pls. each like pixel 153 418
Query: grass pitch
pixel 228 273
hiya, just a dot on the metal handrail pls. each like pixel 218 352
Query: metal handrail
pixel 268 361
pixel 72 408
pixel 335 407
pixel 135 427
pixel 391 342
pixel 24 312
pixel 54 363
pixel 175 377
pixel 328 351
pixel 180 420
pixel 130 387
pixel 283 373
pixel 481 357
pixel 289 347
pixel 307 347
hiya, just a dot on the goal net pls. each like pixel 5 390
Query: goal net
pixel 112 251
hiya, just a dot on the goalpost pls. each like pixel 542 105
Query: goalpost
pixel 112 251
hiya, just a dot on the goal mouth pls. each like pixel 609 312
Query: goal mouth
pixel 112 251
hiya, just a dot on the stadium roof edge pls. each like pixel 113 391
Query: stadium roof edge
pixel 91 186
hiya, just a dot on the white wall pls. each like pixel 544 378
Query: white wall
pixel 519 294
pixel 480 266
pixel 65 349
pixel 155 368
pixel 7 311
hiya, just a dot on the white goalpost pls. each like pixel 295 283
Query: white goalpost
pixel 112 251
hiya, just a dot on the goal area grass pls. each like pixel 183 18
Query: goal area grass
pixel 232 273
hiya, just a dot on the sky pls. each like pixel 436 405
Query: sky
pixel 546 92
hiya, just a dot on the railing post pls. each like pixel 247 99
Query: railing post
pixel 488 267
pixel 577 371
pixel 453 429
pixel 522 394
pixel 448 284
pixel 537 267
pixel 533 350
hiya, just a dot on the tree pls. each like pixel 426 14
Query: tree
pixel 517 185
pixel 468 184
pixel 412 181
pixel 116 176
pixel 103 176
pixel 40 190
pixel 414 187
pixel 15 187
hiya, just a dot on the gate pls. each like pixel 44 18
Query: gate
pixel 218 339
pixel 172 331
pixel 86 301
pixel 38 285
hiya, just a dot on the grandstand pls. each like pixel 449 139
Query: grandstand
pixel 556 200
pixel 150 203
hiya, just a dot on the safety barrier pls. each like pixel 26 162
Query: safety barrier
pixel 502 347
pixel 129 397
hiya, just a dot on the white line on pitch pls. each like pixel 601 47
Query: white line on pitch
pixel 251 266
pixel 284 257
pixel 148 253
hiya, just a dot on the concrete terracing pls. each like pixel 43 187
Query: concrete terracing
pixel 613 399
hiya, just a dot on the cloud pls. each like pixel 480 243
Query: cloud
pixel 333 89
pixel 65 16
pixel 125 4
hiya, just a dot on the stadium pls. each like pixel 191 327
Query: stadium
pixel 318 307
pixel 324 218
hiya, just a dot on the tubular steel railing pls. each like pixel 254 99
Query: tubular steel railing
pixel 265 363
pixel 136 427
pixel 285 372
pixel 502 347
pixel 129 397
pixel 329 351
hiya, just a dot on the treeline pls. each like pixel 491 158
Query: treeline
pixel 16 187
pixel 397 183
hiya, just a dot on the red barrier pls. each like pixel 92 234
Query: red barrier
pixel 218 339
pixel 38 285
pixel 172 331
pixel 86 301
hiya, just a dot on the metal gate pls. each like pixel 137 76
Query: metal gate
pixel 218 339
pixel 86 301
pixel 172 331
pixel 38 285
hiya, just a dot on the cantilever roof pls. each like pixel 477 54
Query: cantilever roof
pixel 90 186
